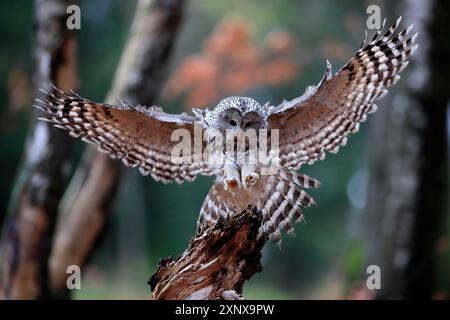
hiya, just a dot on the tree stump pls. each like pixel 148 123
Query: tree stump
pixel 216 263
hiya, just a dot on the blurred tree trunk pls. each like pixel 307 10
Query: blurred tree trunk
pixel 407 188
pixel 46 164
pixel 138 80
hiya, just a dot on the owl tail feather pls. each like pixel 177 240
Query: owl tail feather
pixel 283 206
pixel 280 205
pixel 212 208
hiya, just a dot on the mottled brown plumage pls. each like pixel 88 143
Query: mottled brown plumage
pixel 309 126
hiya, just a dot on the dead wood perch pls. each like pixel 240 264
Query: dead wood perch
pixel 216 263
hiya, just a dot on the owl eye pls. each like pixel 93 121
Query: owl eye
pixel 233 123
pixel 248 124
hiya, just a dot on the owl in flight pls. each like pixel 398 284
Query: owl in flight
pixel 306 128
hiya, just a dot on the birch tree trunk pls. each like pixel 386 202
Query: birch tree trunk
pixel 407 188
pixel 46 164
pixel 138 80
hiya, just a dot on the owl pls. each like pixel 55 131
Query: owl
pixel 296 132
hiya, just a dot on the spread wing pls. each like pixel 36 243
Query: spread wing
pixel 326 114
pixel 139 136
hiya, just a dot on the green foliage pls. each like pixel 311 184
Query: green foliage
pixel 355 261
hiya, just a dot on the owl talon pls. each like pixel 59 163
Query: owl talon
pixel 231 184
pixel 251 179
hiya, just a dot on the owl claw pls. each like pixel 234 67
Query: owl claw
pixel 231 184
pixel 251 179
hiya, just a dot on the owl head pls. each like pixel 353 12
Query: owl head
pixel 237 113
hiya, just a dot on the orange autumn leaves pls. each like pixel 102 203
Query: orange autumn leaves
pixel 230 64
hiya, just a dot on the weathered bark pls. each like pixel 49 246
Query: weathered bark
pixel 216 263
pixel 138 80
pixel 46 163
pixel 407 190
